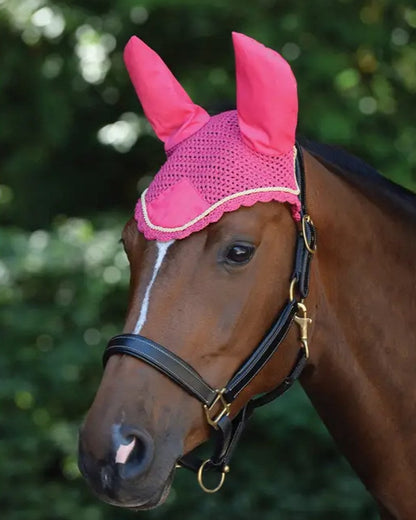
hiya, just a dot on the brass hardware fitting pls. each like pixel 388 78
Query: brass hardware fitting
pixel 292 289
pixel 307 218
pixel 221 482
pixel 303 322
pixel 213 421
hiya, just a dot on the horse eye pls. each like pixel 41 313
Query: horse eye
pixel 239 254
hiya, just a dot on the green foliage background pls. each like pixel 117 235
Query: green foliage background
pixel 75 152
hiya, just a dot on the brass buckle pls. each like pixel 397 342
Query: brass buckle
pixel 201 481
pixel 225 411
pixel 303 322
pixel 307 218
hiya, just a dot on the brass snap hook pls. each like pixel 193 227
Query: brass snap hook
pixel 201 474
pixel 303 322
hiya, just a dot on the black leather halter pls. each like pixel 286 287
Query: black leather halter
pixel 217 402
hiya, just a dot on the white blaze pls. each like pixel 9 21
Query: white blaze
pixel 162 248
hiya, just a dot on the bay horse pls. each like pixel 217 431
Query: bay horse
pixel 212 296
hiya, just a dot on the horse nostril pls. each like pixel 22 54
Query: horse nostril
pixel 134 451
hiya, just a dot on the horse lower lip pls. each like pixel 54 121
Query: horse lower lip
pixel 157 499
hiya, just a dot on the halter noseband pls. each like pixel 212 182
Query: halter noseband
pixel 217 402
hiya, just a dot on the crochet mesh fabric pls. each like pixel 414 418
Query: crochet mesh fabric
pixel 224 172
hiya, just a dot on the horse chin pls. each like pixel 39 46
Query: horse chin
pixel 149 503
pixel 155 501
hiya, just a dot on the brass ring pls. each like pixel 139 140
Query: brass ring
pixel 200 479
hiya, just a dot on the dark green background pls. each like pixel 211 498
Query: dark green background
pixel 75 152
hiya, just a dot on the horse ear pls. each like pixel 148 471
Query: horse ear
pixel 167 106
pixel 267 102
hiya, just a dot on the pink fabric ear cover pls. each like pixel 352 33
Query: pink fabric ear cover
pixel 220 163
pixel 166 105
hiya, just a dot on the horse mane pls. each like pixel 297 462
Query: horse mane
pixel 366 178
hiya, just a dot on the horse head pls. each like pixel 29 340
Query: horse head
pixel 210 271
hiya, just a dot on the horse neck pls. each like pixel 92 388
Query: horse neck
pixel 361 377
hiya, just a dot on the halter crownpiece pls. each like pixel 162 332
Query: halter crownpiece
pixel 220 163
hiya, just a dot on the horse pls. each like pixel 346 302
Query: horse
pixel 200 304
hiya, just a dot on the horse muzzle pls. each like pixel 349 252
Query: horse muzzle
pixel 124 477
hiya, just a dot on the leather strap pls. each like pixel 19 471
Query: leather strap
pixel 285 384
pixel 267 347
pixel 300 177
pixel 225 442
pixel 163 360
pixel 301 270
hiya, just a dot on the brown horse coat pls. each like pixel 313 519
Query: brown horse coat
pixel 361 371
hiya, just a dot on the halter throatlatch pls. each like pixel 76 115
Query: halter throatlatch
pixel 218 164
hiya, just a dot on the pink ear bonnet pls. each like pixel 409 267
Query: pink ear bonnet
pixel 216 164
